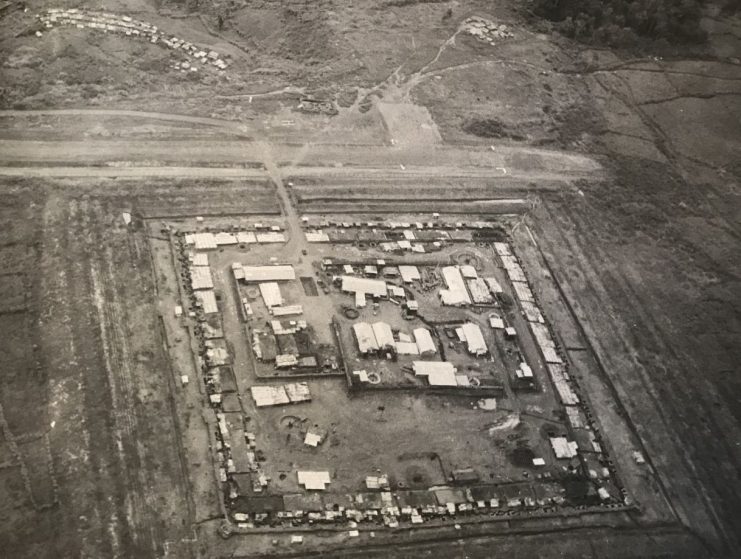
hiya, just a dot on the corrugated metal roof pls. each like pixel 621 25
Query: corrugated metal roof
pixel 563 448
pixel 424 368
pixel 225 239
pixel 246 237
pixel 352 284
pixel 474 339
pixel 456 293
pixel 563 387
pixel 545 342
pixel 523 291
pixel 298 392
pixel 384 335
pixel 314 481
pixel 407 348
pixel 515 273
pixel 502 249
pixel 480 291
pixel 201 277
pixel 496 322
pixel 494 286
pixel 204 241
pixel 409 273
pixel 271 294
pixel 359 299
pixel 269 395
pixel 365 337
pixel 317 237
pixel 531 311
pixel 287 310
pixel 268 273
pixel 469 272
pixel 271 237
pixel 425 343
pixel 207 299
pixel 442 378
pixel 509 262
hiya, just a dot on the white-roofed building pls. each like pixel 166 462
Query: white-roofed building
pixel 409 273
pixel 359 300
pixel 207 300
pixel 425 343
pixel 225 239
pixel 316 237
pixel 204 241
pixel 565 392
pixel 496 322
pixel 523 291
pixel 365 337
pixel 269 395
pixel 439 368
pixel 461 334
pixel 270 292
pixel 271 237
pixel 456 293
pixel 502 249
pixel 474 339
pixel 407 348
pixel 494 286
pixel 480 291
pixel 285 360
pixel 438 373
pixel 314 481
pixel 442 378
pixel 532 312
pixel 424 368
pixel 509 262
pixel 200 259
pixel 238 271
pixel 545 342
pixel 383 334
pixel 564 448
pixel 201 277
pixel 524 371
pixel 396 291
pixel 362 375
pixel 372 287
pixel 515 273
pixel 287 310
pixel 469 272
pixel 246 237
pixel 268 273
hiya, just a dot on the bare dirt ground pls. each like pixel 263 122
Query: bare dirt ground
pixel 629 164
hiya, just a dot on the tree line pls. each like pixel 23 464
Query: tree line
pixel 619 22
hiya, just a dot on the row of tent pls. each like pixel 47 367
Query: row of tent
pixel 125 25
pixel 554 363
pixel 211 241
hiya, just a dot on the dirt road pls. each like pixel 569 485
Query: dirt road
pixel 221 123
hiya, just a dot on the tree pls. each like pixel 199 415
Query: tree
pixel 595 20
